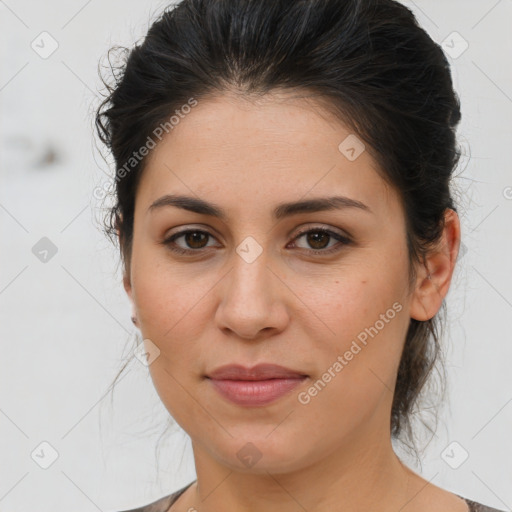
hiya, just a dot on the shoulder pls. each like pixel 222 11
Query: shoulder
pixel 162 504
pixel 478 507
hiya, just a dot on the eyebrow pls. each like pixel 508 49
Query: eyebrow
pixel 281 211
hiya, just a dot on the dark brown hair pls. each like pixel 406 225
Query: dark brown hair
pixel 366 61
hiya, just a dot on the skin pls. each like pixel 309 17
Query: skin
pixel 288 306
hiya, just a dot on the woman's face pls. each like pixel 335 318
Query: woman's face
pixel 252 290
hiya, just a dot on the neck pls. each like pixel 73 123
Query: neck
pixel 362 474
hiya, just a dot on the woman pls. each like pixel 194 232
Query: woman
pixel 288 236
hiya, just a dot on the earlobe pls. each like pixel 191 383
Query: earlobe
pixel 434 278
pixel 426 299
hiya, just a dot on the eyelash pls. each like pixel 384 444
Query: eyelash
pixel 340 238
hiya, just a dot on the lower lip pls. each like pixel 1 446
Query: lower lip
pixel 255 392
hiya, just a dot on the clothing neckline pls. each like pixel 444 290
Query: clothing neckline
pixel 470 504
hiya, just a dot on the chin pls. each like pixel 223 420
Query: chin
pixel 260 453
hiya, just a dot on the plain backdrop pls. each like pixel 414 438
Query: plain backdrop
pixel 65 320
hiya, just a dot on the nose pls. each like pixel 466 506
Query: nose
pixel 253 299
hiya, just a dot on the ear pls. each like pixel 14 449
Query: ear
pixel 433 281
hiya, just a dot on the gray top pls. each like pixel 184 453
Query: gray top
pixel 163 504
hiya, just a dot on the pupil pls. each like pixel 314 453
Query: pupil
pixel 315 237
pixel 194 237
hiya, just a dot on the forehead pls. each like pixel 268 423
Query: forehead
pixel 270 149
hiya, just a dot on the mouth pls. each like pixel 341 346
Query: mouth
pixel 256 386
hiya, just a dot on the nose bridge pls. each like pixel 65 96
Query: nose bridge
pixel 249 301
pixel 250 274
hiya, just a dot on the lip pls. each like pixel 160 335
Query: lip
pixel 256 386
pixel 262 371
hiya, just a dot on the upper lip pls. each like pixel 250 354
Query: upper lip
pixel 261 371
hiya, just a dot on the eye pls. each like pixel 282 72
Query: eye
pixel 197 239
pixel 194 238
pixel 319 238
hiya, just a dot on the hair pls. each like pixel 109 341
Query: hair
pixel 368 62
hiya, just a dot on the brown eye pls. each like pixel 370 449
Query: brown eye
pixel 318 240
pixel 194 239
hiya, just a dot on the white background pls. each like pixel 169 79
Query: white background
pixel 65 325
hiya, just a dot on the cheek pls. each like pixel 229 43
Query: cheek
pixel 168 298
pixel 366 316
pixel 355 302
pixel 357 371
pixel 171 315
pixel 169 310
